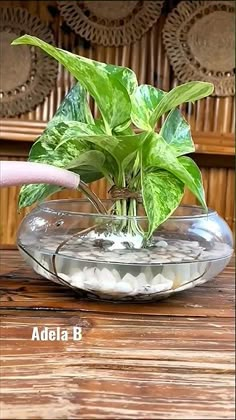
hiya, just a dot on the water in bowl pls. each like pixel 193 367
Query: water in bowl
pixel 168 266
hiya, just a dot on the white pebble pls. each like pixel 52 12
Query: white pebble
pixel 141 282
pixel 141 278
pixel 188 258
pixel 84 254
pixel 105 274
pixel 160 260
pixel 106 280
pixel 193 244
pixel 148 274
pixel 131 281
pixel 161 282
pixel 178 254
pixel 125 258
pixel 77 279
pixel 163 244
pixel 172 248
pixel 159 255
pixel 124 288
pixel 91 281
pixel 159 288
pixel 116 274
pixel 107 285
pixel 168 273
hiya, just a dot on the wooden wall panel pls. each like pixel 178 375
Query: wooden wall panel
pixel 209 117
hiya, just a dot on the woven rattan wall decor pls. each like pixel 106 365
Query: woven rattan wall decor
pixel 110 23
pixel 26 74
pixel 199 40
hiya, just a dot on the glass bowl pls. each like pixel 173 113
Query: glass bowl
pixel 97 256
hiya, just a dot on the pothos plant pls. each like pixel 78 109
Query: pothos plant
pixel 147 162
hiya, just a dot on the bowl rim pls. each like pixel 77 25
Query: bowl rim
pixel 46 207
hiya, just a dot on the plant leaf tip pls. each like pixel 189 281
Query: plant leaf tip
pixel 19 40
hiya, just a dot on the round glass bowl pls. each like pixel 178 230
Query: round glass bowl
pixel 104 256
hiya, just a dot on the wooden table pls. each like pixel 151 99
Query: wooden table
pixel 169 360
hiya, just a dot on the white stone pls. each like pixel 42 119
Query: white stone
pixel 84 254
pixel 159 288
pixel 91 280
pixel 163 255
pixel 160 259
pixel 105 274
pixel 124 288
pixel 168 273
pixel 78 279
pixel 97 253
pixel 116 274
pixel 172 248
pixel 161 283
pixel 141 282
pixel 106 280
pixel 163 244
pixel 141 278
pixel 125 258
pixel 175 259
pixel 189 258
pixel 178 254
pixel 148 274
pixel 131 281
pixel 107 285
pixel 193 244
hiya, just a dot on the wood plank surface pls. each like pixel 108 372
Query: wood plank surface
pixel 172 359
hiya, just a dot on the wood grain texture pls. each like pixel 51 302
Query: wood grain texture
pixel 169 360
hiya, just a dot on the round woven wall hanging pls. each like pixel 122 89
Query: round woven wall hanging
pixel 27 75
pixel 110 23
pixel 199 40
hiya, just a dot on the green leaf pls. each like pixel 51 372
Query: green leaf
pixel 32 193
pixel 144 102
pixel 74 156
pixel 195 173
pixel 69 154
pixel 157 154
pixel 45 149
pixel 162 193
pixel 118 146
pixel 105 85
pixel 89 165
pixel 73 107
pixel 188 92
pixel 176 132
pixel 126 76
